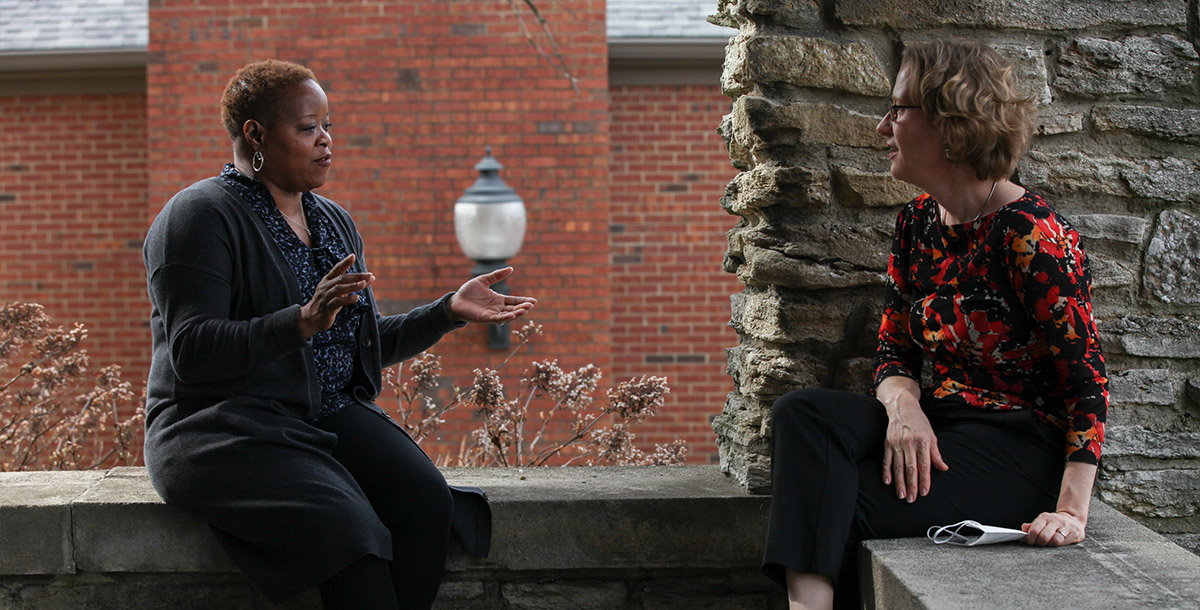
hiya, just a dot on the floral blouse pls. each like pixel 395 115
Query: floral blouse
pixel 1002 309
pixel 334 348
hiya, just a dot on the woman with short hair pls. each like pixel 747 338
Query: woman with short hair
pixel 268 353
pixel 989 285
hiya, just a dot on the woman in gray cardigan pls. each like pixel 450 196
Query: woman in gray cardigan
pixel 268 351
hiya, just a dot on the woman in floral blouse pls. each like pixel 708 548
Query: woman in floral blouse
pixel 990 286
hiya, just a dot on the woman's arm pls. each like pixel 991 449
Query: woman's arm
pixel 1068 524
pixel 910 450
pixel 190 266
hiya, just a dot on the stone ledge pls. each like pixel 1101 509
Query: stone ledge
pixel 1122 564
pixel 544 519
pixel 619 538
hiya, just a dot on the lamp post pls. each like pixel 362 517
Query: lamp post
pixel 489 222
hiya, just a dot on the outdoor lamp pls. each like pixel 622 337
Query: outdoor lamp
pixel 489 222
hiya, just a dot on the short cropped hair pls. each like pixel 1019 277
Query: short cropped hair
pixel 255 91
pixel 971 98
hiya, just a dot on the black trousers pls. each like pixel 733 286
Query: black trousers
pixel 828 493
pixel 410 497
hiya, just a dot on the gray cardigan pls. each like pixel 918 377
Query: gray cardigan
pixel 232 386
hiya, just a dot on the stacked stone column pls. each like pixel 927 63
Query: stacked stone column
pixel 1116 85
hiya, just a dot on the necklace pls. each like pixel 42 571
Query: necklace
pixel 942 211
pixel 304 225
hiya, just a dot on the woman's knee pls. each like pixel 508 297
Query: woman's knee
pixel 803 403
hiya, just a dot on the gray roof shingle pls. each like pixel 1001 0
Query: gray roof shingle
pixel 663 19
pixel 57 25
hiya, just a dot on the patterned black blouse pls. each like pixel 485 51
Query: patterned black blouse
pixel 334 348
pixel 1002 309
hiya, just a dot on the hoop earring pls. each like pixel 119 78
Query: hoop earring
pixel 257 161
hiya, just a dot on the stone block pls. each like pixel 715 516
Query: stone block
pixel 1137 441
pixel 1029 68
pixel 1059 172
pixel 768 315
pixel 1172 263
pixel 844 247
pixel 708 602
pixel 771 185
pixel 636 518
pixel 814 63
pixel 768 373
pixel 1035 15
pixel 1110 273
pixel 1055 121
pixel 593 595
pixel 760 124
pixel 1161 494
pixel 1132 65
pixel 739 154
pixel 1110 227
pixel 35 520
pixel 1171 179
pixel 104 541
pixel 1122 564
pixel 1142 386
pixel 1165 123
pixel 766 267
pixel 792 13
pixel 855 375
pixel 1151 336
pixel 855 188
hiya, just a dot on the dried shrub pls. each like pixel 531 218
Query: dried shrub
pixel 48 418
pixel 551 416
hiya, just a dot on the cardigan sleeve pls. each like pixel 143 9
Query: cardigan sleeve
pixel 191 258
pixel 405 335
pixel 1050 274
pixel 897 353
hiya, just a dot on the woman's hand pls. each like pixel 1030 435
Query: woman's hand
pixel 335 291
pixel 475 301
pixel 1055 529
pixel 1068 523
pixel 910 450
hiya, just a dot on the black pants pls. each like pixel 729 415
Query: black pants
pixel 410 497
pixel 828 493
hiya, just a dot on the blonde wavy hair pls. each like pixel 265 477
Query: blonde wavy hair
pixel 255 92
pixel 970 95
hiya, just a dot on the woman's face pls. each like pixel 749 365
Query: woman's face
pixel 296 146
pixel 916 150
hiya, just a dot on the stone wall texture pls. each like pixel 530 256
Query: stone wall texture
pixel 1116 86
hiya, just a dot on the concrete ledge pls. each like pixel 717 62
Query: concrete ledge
pixel 1122 564
pixel 599 538
pixel 666 537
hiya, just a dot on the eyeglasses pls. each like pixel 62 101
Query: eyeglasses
pixel 892 113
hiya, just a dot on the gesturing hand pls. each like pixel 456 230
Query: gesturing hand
pixel 475 301
pixel 335 291
pixel 909 452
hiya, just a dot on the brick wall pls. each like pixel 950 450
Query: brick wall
pixel 623 249
pixel 73 197
pixel 670 297
pixel 417 89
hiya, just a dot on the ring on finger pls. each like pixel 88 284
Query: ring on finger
pixel 1060 533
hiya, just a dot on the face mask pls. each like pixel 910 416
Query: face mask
pixel 971 533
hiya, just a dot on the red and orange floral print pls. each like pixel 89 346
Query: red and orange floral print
pixel 1001 307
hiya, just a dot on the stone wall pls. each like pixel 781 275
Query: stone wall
pixel 1116 85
